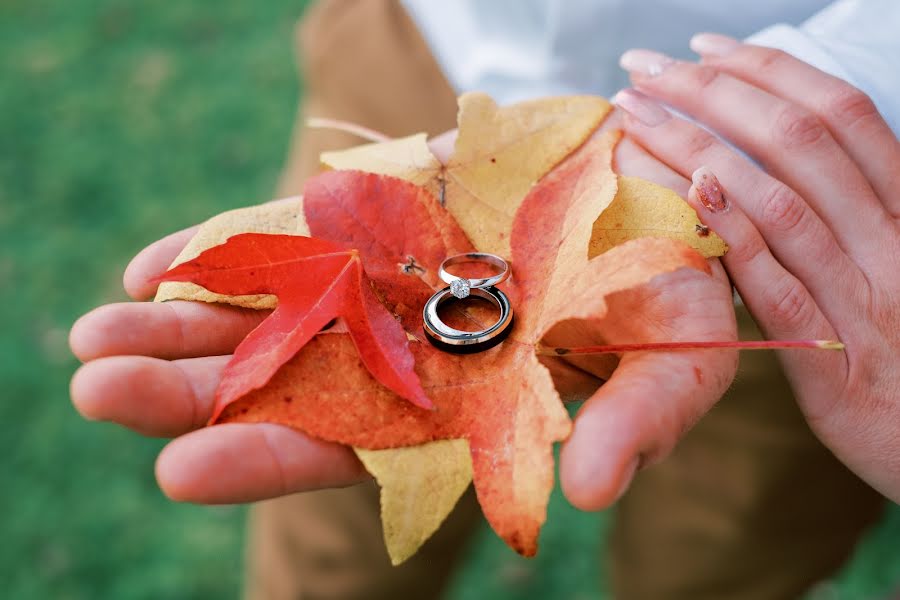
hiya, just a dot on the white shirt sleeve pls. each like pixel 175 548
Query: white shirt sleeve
pixel 856 40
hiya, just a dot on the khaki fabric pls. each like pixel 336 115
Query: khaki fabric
pixel 749 506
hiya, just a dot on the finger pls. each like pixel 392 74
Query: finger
pixel 442 145
pixel 651 398
pixel 151 396
pixel 234 463
pixel 153 261
pixel 789 141
pixel 635 419
pixel 632 160
pixel 778 301
pixel 167 330
pixel 849 114
pixel 792 230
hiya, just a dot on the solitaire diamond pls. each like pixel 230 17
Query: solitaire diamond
pixel 460 288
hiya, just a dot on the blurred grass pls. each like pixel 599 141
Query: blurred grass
pixel 121 121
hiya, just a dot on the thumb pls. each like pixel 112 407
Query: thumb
pixel 636 418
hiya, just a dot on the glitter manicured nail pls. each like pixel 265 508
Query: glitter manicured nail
pixel 709 191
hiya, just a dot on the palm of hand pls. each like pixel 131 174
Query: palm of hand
pixel 650 400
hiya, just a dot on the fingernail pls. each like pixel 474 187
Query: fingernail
pixel 627 478
pixel 708 191
pixel 641 107
pixel 645 62
pixel 713 44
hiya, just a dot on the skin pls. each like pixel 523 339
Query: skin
pixel 154 368
pixel 814 227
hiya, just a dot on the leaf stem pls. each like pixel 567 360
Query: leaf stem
pixel 656 346
pixel 345 126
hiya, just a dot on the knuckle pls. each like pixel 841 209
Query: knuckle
pixel 698 145
pixel 848 106
pixel 789 306
pixel 768 59
pixel 703 76
pixel 782 209
pixel 797 128
pixel 747 251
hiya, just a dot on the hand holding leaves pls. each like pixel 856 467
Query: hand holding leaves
pixel 520 426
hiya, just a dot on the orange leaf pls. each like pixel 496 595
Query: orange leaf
pixel 503 400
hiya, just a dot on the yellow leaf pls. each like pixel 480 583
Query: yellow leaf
pixel 407 158
pixel 283 216
pixel 644 209
pixel 420 485
pixel 501 152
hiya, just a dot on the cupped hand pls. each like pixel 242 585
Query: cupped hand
pixel 154 367
pixel 813 226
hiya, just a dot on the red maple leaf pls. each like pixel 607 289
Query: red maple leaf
pixel 315 281
pixel 503 400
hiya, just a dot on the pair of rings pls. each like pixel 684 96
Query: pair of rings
pixel 455 340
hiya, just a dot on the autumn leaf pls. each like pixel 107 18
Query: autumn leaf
pixel 272 217
pixel 502 401
pixel 500 153
pixel 407 158
pixel 501 404
pixel 315 282
pixel 420 485
pixel 644 209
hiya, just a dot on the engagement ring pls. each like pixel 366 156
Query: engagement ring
pixel 460 286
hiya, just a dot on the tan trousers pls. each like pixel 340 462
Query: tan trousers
pixel 749 506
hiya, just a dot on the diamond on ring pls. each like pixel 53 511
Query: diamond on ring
pixel 460 288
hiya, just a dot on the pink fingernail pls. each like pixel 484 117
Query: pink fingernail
pixel 645 62
pixel 713 44
pixel 641 107
pixel 708 191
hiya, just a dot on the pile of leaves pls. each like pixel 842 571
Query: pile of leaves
pixel 348 267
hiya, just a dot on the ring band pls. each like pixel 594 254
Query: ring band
pixel 455 340
pixel 461 286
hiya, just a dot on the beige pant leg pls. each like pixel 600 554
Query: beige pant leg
pixel 363 61
pixel 749 506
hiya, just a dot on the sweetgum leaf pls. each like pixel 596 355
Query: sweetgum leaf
pixel 644 209
pixel 420 485
pixel 500 404
pixel 503 400
pixel 315 282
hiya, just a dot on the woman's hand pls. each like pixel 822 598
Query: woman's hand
pixel 813 230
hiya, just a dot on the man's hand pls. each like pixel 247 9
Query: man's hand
pixel 814 230
pixel 154 368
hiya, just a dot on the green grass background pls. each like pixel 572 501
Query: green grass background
pixel 121 121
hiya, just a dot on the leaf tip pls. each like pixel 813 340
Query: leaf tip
pixel 423 401
pixel 830 345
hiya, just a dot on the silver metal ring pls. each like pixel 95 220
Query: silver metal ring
pixel 461 286
pixel 455 340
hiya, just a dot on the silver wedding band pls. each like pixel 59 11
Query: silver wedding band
pixel 455 340
pixel 461 286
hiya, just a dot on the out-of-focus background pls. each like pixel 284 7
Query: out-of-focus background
pixel 121 121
